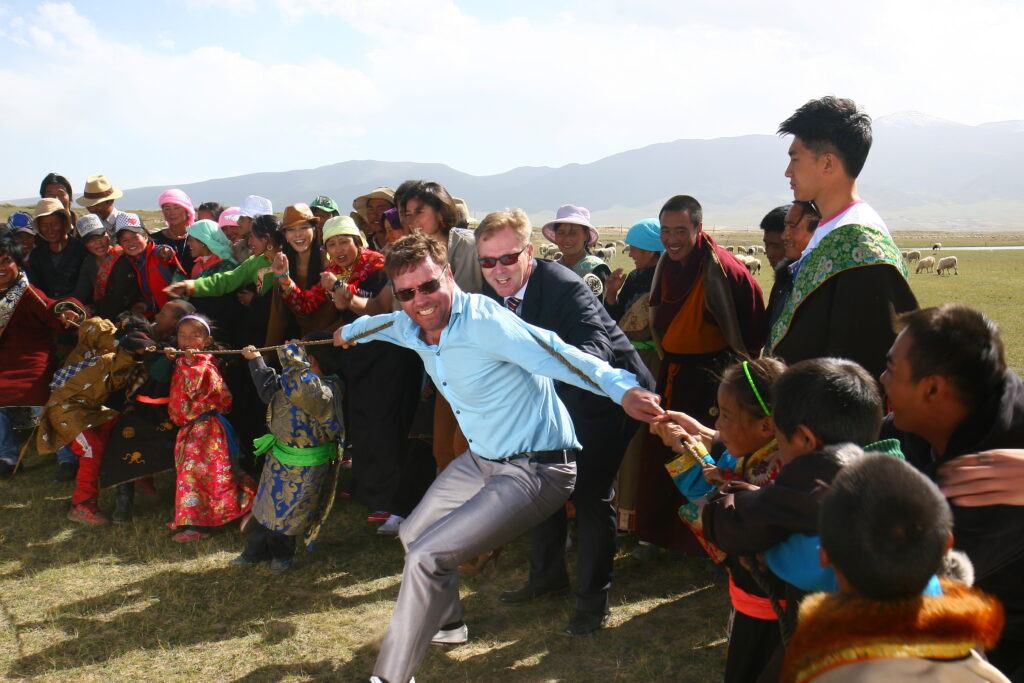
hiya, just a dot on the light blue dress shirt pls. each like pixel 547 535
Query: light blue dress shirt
pixel 497 377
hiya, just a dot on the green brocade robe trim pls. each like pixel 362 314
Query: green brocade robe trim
pixel 846 247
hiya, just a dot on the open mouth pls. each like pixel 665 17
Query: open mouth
pixel 426 312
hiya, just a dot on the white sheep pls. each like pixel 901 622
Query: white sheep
pixel 937 246
pixel 753 264
pixel 620 243
pixel 913 255
pixel 945 263
pixel 925 265
pixel 555 256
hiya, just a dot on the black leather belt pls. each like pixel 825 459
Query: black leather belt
pixel 560 457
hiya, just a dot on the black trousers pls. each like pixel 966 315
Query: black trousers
pixel 604 444
pixel 752 644
pixel 264 544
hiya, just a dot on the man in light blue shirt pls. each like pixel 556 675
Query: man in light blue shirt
pixel 496 371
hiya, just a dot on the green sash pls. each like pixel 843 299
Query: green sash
pixel 295 457
pixel 846 247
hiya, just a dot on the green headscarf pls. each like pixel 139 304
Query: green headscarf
pixel 207 232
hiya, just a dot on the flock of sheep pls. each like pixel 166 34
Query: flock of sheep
pixel 941 266
pixel 749 256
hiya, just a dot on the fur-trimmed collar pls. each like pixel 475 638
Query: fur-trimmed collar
pixel 835 630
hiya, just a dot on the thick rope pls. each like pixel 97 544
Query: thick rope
pixel 318 342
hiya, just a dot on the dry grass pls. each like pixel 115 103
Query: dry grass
pixel 126 603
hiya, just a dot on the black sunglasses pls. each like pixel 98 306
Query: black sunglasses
pixel 428 287
pixel 504 259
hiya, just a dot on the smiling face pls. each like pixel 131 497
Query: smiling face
pixel 571 240
pixel 343 250
pixel 192 335
pixel 805 171
pixel 423 218
pixel 796 235
pixel 430 311
pixel 300 237
pixel 643 258
pixel 774 248
pixel 176 216
pixel 740 432
pixel 907 397
pixel 197 248
pixel 678 234
pixel 505 280
pixel 133 243
pixel 97 245
pixel 374 209
pixel 53 228
pixel 8 271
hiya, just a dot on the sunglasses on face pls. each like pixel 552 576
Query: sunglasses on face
pixel 428 287
pixel 504 259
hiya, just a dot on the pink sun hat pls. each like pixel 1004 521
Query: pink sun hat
pixel 179 198
pixel 229 217
pixel 576 215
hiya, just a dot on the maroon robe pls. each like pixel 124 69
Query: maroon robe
pixel 27 351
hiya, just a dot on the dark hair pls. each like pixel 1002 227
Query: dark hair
pixel 316 262
pixel 808 207
pixel 684 202
pixel 390 216
pixel 411 250
pixel 57 178
pixel 960 344
pixel 326 356
pixel 10 247
pixel 403 190
pixel 213 207
pixel 885 527
pixel 763 371
pixel 833 124
pixel 269 227
pixel 833 397
pixel 775 220
pixel 436 197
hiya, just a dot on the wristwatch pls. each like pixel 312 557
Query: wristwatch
pixel 337 284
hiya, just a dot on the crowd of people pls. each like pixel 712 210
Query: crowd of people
pixel 850 459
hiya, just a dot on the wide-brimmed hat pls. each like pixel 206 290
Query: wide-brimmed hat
pixel 576 215
pixel 295 214
pixel 90 225
pixel 343 225
pixel 325 204
pixel 21 221
pixel 208 232
pixel 98 189
pixel 646 235
pixel 129 221
pixel 45 207
pixel 360 202
pixel 255 205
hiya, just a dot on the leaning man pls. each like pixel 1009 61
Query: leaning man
pixel 496 371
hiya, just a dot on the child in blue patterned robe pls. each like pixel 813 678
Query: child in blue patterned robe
pixel 300 471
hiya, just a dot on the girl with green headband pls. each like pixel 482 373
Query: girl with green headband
pixel 744 435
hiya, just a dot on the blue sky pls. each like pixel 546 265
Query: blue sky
pixel 163 92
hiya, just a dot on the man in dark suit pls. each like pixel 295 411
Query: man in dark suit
pixel 551 296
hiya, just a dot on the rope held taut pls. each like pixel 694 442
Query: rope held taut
pixel 318 342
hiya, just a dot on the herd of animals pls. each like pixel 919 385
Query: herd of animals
pixel 748 256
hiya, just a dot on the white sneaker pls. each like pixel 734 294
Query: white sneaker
pixel 453 636
pixel 390 527
pixel 376 679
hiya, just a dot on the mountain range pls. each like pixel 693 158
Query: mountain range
pixel 923 172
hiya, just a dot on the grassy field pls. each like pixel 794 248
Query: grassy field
pixel 126 603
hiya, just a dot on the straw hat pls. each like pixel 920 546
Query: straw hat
pixel 45 207
pixel 98 189
pixel 576 215
pixel 359 203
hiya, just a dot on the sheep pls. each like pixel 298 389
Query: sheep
pixel 555 256
pixel 609 244
pixel 625 250
pixel 620 243
pixel 945 263
pixel 925 265
pixel 937 246
pixel 753 264
pixel 731 249
pixel 913 255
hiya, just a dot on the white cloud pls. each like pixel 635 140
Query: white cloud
pixel 482 94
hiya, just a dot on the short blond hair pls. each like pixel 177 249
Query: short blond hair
pixel 515 220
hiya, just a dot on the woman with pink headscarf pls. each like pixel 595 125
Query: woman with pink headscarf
pixel 179 214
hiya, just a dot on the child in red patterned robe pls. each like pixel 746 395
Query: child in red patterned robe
pixel 210 489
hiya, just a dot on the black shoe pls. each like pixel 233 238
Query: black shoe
pixel 123 504
pixel 531 592
pixel 583 623
pixel 66 471
pixel 6 469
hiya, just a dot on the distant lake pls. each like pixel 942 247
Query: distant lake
pixel 945 248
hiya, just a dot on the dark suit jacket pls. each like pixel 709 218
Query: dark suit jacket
pixel 556 299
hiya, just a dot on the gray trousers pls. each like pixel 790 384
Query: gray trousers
pixel 474 506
